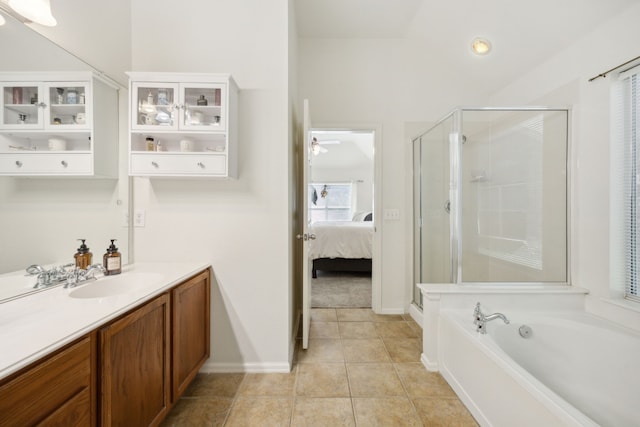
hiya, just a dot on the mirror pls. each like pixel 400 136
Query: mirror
pixel 41 218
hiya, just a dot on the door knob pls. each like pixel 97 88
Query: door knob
pixel 305 236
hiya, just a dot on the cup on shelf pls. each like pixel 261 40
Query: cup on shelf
pixel 186 145
pixel 57 144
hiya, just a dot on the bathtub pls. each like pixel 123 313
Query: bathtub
pixel 574 370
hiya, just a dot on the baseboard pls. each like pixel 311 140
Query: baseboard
pixel 416 314
pixel 431 366
pixel 260 368
pixel 391 311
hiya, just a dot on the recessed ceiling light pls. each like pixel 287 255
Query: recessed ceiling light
pixel 480 46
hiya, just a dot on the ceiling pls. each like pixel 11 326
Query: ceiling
pixel 523 33
pixel 354 150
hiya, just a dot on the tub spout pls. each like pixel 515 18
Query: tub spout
pixel 480 319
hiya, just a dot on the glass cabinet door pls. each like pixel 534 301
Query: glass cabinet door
pixel 154 106
pixel 203 107
pixel 21 105
pixel 69 105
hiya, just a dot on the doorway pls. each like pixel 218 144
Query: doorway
pixel 341 212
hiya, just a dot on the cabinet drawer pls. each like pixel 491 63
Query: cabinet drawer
pixel 45 164
pixel 179 164
pixel 58 388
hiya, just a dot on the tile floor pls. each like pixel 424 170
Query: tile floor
pixel 361 369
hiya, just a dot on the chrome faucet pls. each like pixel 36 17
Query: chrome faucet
pixel 480 319
pixel 49 277
pixel 79 275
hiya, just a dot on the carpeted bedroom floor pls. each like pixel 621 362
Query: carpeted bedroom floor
pixel 341 289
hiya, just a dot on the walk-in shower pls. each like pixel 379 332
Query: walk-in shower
pixel 490 198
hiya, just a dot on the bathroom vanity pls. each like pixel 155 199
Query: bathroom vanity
pixel 104 353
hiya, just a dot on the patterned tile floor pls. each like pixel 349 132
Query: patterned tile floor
pixel 361 369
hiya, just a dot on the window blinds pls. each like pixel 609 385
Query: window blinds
pixel 625 132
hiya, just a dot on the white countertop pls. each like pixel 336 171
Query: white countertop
pixel 499 288
pixel 38 324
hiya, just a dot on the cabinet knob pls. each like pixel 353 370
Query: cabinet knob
pixel 42 105
pixel 18 163
pixel 201 164
pixel 64 163
pixel 154 164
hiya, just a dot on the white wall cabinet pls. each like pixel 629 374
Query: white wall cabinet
pixel 183 125
pixel 60 124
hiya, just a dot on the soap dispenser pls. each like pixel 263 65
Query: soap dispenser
pixel 112 260
pixel 83 256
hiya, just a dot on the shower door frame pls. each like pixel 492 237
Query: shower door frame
pixel 455 193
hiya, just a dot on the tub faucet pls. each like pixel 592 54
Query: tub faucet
pixel 480 319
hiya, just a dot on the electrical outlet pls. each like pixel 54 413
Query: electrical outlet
pixel 392 214
pixel 139 217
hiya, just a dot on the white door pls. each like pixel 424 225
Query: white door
pixel 306 235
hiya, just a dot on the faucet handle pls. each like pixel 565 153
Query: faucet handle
pixel 478 317
pixel 34 269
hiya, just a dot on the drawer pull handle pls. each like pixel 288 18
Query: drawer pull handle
pixel 64 163
pixel 155 165
pixel 18 163
pixel 201 164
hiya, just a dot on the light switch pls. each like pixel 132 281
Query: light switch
pixel 392 214
pixel 139 218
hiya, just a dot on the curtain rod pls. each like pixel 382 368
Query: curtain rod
pixel 604 74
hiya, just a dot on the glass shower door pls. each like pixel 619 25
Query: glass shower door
pixel 432 206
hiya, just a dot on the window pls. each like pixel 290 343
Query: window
pixel 330 202
pixel 626 115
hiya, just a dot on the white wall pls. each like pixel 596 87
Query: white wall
pixel 97 32
pixel 563 79
pixel 241 226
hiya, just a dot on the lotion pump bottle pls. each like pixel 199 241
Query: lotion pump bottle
pixel 83 256
pixel 112 260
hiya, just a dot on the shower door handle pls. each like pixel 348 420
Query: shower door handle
pixel 447 206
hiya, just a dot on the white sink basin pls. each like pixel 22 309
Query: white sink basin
pixel 116 285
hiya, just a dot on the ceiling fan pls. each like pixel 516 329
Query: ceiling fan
pixel 317 146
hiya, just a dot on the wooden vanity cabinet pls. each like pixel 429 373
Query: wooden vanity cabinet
pixel 56 391
pixel 150 356
pixel 128 372
pixel 190 308
pixel 134 366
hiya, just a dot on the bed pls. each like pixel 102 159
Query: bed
pixel 341 246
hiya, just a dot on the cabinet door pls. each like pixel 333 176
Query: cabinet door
pixel 135 367
pixel 154 106
pixel 203 106
pixel 69 106
pixel 190 315
pixel 56 391
pixel 23 105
